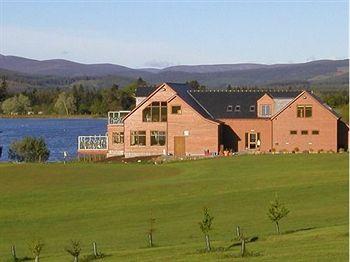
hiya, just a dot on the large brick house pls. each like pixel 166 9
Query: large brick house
pixel 173 119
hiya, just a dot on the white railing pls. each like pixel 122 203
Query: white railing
pixel 92 142
pixel 116 117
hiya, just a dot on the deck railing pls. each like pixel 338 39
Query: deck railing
pixel 92 142
pixel 116 117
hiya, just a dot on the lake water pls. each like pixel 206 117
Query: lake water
pixel 60 134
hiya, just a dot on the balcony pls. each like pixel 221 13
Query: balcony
pixel 116 117
pixel 92 143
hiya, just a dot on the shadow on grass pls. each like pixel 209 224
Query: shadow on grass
pixel 298 230
pixel 20 259
pixel 93 258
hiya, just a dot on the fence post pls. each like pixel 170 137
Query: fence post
pixel 13 251
pixel 94 246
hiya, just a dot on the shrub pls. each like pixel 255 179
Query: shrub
pixel 29 149
pixel 74 249
pixel 205 226
pixel 276 212
pixel 35 248
pixel 296 149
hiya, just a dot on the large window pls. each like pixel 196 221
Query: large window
pixel 118 137
pixel 265 110
pixel 158 138
pixel 138 138
pixel 304 111
pixel 155 112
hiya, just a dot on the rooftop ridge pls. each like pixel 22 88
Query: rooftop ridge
pixel 260 90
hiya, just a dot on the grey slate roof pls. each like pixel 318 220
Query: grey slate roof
pixel 183 91
pixel 216 101
pixel 212 104
pixel 144 91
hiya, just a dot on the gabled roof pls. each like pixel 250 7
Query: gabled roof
pixel 183 91
pixel 216 101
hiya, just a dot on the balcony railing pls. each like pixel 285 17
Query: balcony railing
pixel 116 117
pixel 92 142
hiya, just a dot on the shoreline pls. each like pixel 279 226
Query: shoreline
pixel 51 116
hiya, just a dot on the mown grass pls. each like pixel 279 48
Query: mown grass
pixel 111 204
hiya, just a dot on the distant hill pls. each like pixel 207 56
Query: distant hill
pixel 24 73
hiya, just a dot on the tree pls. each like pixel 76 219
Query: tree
pixel 29 149
pixel 195 85
pixel 151 230
pixel 65 104
pixel 74 249
pixel 19 104
pixel 35 248
pixel 3 89
pixel 205 226
pixel 276 212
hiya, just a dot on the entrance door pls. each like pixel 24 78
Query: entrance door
pixel 252 140
pixel 179 146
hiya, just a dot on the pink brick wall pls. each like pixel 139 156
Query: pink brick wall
pixel 321 120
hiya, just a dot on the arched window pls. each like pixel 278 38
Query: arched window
pixel 155 112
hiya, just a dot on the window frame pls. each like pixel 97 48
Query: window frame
pixel 237 108
pixel 302 111
pixel 138 135
pixel 157 110
pixel 315 132
pixel 304 132
pixel 250 108
pixel 263 112
pixel 120 135
pixel 293 132
pixel 229 108
pixel 177 112
pixel 162 135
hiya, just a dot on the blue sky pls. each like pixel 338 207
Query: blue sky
pixel 163 33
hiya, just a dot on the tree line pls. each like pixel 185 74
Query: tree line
pixel 77 100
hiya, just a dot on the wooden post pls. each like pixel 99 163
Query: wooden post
pixel 94 246
pixel 207 241
pixel 150 239
pixel 13 251
pixel 238 232
pixel 243 247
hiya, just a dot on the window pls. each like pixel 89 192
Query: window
pixel 155 112
pixel 304 111
pixel 158 138
pixel 252 108
pixel 265 110
pixel 176 110
pixel 118 137
pixel 304 132
pixel 237 108
pixel 293 132
pixel 229 108
pixel 138 138
pixel 315 132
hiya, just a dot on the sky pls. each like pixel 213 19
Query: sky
pixel 164 33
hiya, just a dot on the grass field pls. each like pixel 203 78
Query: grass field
pixel 111 204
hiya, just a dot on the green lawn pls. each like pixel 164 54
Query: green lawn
pixel 111 204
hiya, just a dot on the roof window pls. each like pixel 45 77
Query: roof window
pixel 229 108
pixel 237 108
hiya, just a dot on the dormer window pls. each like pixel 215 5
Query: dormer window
pixel 237 108
pixel 265 110
pixel 252 108
pixel 229 108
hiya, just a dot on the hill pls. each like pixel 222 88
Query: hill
pixel 112 204
pixel 322 74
